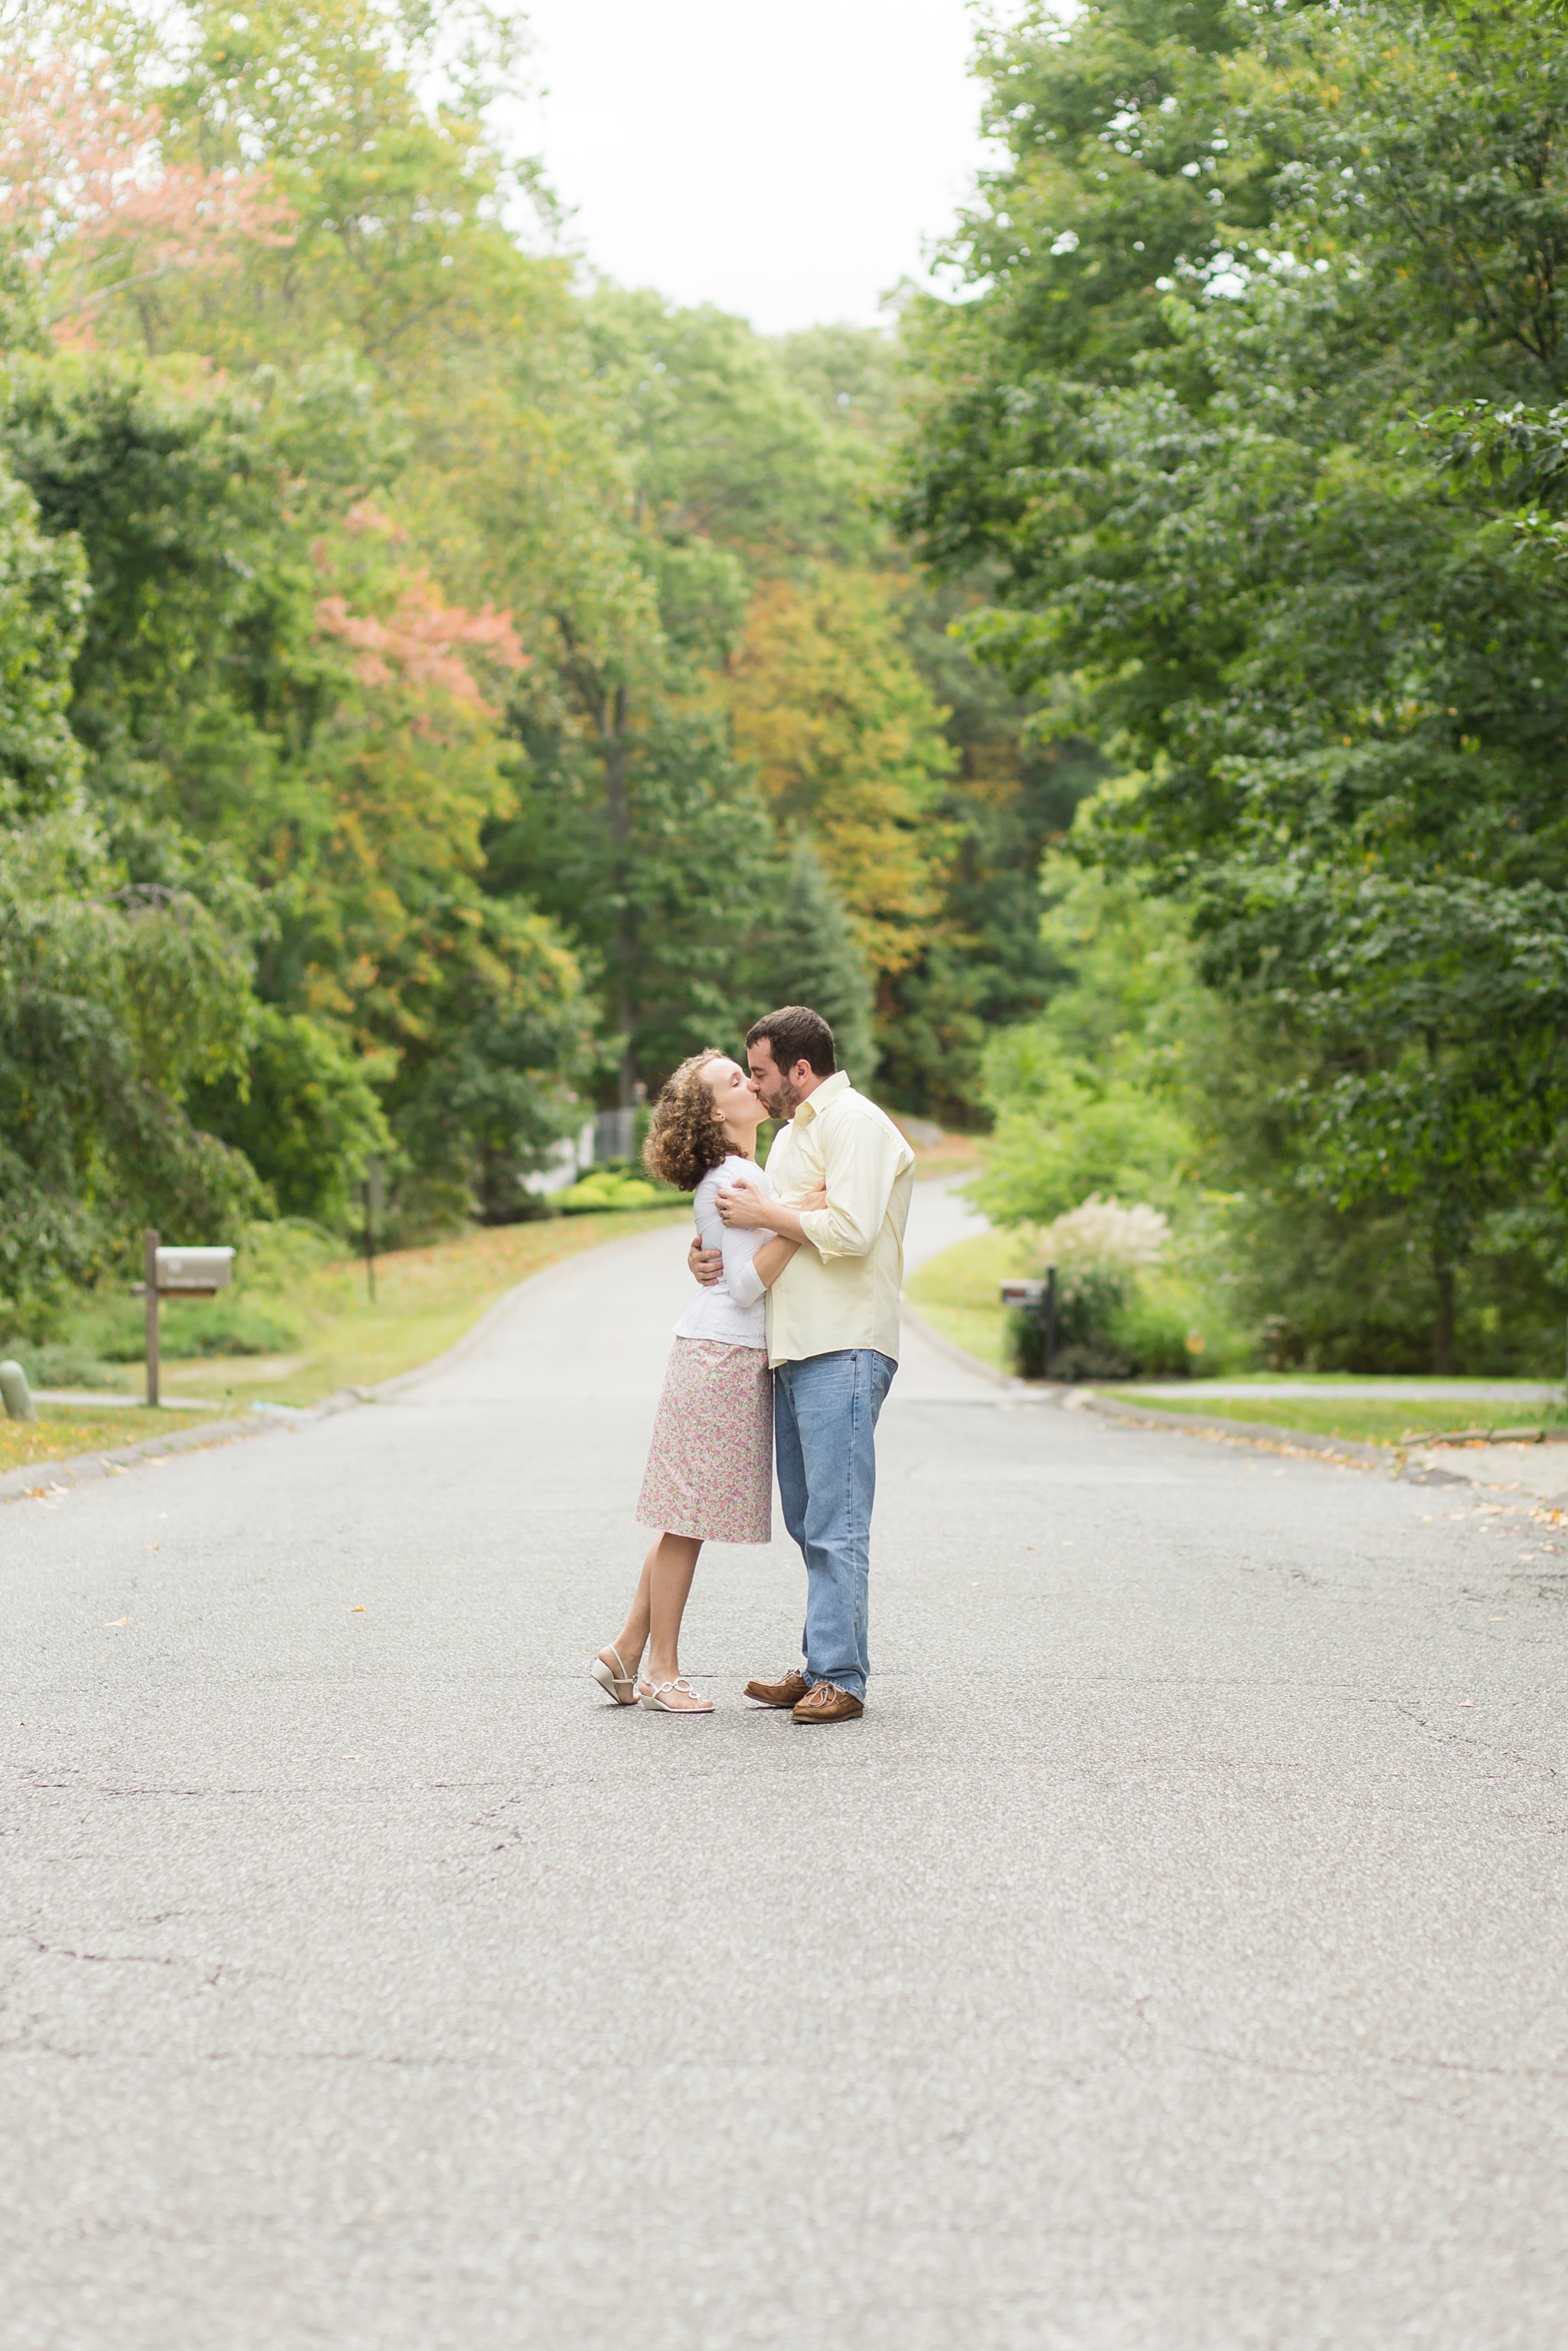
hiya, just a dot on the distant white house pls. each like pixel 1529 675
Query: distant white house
pixel 608 1135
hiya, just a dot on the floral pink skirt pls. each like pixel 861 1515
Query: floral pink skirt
pixel 710 1465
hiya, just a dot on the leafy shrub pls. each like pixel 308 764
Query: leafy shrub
pixel 1087 1300
pixel 1102 1235
pixel 61 1365
pixel 304 1112
pixel 624 1192
pixel 613 1186
pixel 229 1325
pixel 1065 1128
pixel 1098 1249
pixel 277 1255
pixel 1156 1336
pixel 114 1329
pixel 1118 1314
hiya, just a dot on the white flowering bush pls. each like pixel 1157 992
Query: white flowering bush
pixel 1107 1327
pixel 1102 1236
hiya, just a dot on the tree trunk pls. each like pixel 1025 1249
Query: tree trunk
pixel 1443 1319
pixel 626 1075
pixel 618 807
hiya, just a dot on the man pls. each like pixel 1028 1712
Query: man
pixel 833 1335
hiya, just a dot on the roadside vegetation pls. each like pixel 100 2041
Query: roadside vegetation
pixel 62 1431
pixel 1371 1419
pixel 957 1295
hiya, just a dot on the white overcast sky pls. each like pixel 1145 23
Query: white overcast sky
pixel 786 163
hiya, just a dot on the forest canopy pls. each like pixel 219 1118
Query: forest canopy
pixel 437 694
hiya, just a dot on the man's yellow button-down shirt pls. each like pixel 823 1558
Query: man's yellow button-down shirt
pixel 844 1289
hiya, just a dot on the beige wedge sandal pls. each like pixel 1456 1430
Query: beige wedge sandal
pixel 620 1686
pixel 655 1696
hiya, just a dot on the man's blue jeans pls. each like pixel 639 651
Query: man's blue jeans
pixel 824 1423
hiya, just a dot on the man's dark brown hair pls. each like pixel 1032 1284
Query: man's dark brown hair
pixel 797 1034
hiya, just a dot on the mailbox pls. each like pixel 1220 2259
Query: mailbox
pixel 193 1272
pixel 1038 1302
pixel 177 1273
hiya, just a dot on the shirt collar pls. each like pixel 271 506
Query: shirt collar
pixel 819 1096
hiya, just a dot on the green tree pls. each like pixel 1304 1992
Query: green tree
pixel 1097 1096
pixel 1328 663
pixel 726 447
pixel 654 845
pixel 114 999
pixel 42 596
pixel 114 1002
pixel 302 1109
pixel 280 714
pixel 806 952
pixel 1010 799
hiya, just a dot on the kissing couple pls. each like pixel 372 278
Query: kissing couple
pixel 791 1345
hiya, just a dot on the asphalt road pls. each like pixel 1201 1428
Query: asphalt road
pixel 1173 1959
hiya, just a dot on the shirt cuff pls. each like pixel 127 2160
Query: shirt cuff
pixel 817 1224
pixel 745 1285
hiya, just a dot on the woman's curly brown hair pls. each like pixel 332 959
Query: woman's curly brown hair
pixel 684 1138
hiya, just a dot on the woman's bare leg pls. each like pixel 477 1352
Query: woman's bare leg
pixel 633 1638
pixel 654 1620
pixel 671 1565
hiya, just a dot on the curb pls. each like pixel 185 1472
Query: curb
pixel 1261 1432
pixel 1393 1461
pixel 1349 1452
pixel 39 1479
pixel 960 1355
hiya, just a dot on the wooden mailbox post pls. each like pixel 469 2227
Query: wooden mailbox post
pixel 178 1273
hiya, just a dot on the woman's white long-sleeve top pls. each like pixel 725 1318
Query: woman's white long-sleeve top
pixel 734 1310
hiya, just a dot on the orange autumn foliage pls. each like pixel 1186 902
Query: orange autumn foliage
pixel 847 742
pixel 419 643
pixel 97 207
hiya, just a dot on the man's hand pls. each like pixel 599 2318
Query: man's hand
pixel 747 1210
pixel 744 1208
pixel 705 1265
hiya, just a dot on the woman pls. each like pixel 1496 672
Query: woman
pixel 709 1477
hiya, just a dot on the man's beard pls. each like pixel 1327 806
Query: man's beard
pixel 785 1100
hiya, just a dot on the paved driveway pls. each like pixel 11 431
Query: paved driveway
pixel 1172 1961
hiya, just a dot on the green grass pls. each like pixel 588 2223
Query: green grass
pixel 1440 1390
pixel 113 1330
pixel 956 1293
pixel 62 1429
pixel 1369 1420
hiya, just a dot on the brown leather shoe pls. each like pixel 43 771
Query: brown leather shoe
pixel 785 1693
pixel 826 1704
